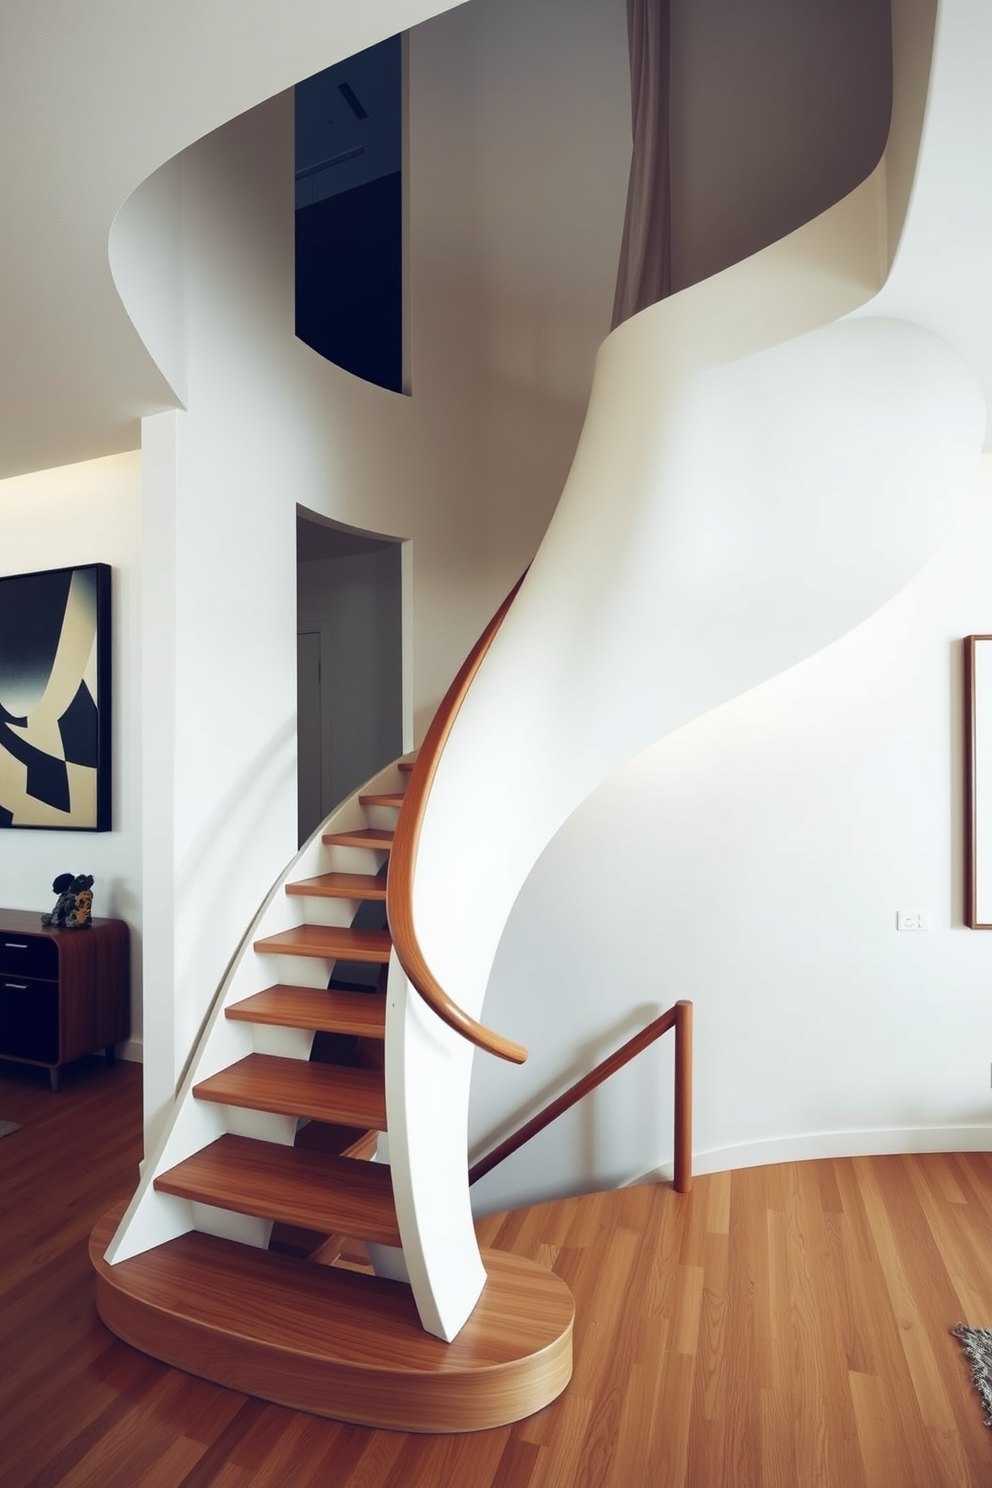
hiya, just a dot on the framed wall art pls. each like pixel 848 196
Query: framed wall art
pixel 978 781
pixel 55 702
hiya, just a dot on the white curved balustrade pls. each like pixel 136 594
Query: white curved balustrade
pixel 768 457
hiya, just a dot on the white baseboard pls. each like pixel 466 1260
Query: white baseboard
pixel 875 1142
pixel 132 1050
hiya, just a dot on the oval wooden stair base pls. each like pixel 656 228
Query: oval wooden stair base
pixel 337 1343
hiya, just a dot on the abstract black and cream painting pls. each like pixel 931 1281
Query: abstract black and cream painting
pixel 55 699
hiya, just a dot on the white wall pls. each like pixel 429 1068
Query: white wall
pixel 754 862
pixel 88 513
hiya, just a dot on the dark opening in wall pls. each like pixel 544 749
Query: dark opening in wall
pixel 349 214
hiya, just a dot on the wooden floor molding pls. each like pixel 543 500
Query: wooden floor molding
pixel 781 1327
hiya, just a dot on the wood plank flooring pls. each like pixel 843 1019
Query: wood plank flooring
pixel 782 1327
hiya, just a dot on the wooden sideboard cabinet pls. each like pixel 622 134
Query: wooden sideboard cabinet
pixel 63 993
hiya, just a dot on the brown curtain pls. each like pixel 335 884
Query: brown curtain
pixel 645 272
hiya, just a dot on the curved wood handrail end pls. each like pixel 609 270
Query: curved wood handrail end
pixel 399 881
pixel 451 1014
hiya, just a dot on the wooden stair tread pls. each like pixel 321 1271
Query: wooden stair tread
pixel 382 798
pixel 375 837
pixel 328 942
pixel 361 1013
pixel 406 766
pixel 294 1087
pixel 341 1141
pixel 340 886
pixel 335 1342
pixel 333 1195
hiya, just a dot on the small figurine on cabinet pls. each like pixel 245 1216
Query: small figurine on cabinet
pixel 81 913
pixel 64 903
pixel 74 906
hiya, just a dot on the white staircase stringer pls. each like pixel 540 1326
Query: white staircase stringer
pixel 428 1073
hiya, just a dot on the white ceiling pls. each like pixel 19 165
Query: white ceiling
pixel 93 98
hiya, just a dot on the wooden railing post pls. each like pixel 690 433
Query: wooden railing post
pixel 678 1017
pixel 683 1097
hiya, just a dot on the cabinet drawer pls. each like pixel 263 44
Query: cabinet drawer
pixel 28 955
pixel 29 1020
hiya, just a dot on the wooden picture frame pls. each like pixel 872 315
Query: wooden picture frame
pixel 55 699
pixel 978 781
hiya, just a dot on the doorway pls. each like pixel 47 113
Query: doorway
pixel 349 613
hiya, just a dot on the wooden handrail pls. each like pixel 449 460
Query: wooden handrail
pixel 403 857
pixel 678 1017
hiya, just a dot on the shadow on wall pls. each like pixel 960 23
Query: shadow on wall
pixel 778 110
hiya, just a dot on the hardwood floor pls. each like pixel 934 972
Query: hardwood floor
pixel 783 1327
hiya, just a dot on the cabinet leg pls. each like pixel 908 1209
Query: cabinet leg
pixel 55 1076
pixel 111 1053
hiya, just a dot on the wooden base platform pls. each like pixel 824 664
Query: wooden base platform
pixel 337 1343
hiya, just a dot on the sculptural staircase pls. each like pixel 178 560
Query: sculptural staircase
pixel 738 434
pixel 299 1329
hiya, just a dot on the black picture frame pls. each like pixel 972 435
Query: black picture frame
pixel 56 700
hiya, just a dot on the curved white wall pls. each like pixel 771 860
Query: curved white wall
pixel 269 425
pixel 93 99
pixel 754 861
pixel 267 428
pixel 727 515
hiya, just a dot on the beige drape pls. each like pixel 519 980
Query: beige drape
pixel 645 271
